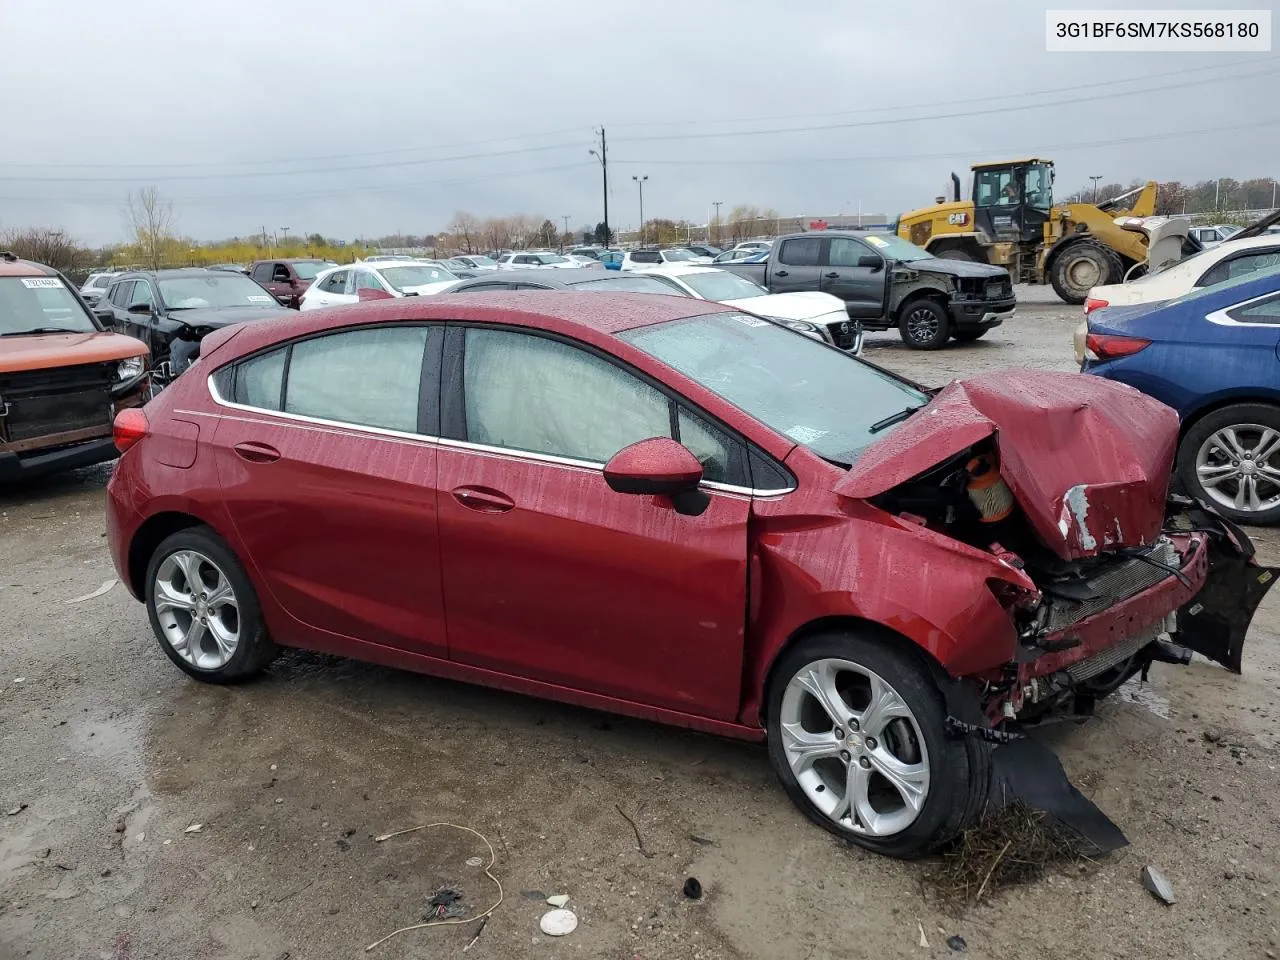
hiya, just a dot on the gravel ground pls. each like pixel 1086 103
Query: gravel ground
pixel 115 755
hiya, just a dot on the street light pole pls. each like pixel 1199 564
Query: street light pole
pixel 640 183
pixel 716 204
pixel 565 218
pixel 603 156
pixel 1095 187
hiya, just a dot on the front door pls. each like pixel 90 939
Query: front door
pixel 331 290
pixel 548 573
pixel 850 274
pixel 797 265
pixel 327 464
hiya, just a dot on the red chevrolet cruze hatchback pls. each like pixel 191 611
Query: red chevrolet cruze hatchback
pixel 679 511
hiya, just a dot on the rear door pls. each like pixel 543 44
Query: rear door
pixel 552 576
pixel 861 287
pixel 796 265
pixel 326 456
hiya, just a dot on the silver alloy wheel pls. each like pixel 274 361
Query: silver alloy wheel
pixel 855 747
pixel 922 324
pixel 1236 467
pixel 197 609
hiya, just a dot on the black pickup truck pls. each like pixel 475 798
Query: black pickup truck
pixel 887 282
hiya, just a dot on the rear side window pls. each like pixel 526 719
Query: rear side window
pixel 370 377
pixel 646 256
pixel 1263 311
pixel 336 282
pixel 801 252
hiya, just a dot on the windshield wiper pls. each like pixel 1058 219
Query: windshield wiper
pixel 23 333
pixel 893 418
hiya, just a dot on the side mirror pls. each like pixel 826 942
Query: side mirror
pixel 365 294
pixel 142 309
pixel 659 467
pixel 870 261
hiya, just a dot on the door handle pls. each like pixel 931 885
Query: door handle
pixel 256 452
pixel 483 499
pixel 832 276
pixel 780 273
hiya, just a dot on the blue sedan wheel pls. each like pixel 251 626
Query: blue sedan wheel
pixel 1231 459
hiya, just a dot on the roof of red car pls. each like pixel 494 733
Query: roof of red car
pixel 24 268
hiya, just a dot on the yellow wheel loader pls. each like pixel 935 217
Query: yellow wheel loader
pixel 1012 221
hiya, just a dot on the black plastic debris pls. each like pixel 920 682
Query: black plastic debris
pixel 957 944
pixel 444 903
pixel 1029 771
pixel 693 889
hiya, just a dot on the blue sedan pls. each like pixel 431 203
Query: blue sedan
pixel 1214 356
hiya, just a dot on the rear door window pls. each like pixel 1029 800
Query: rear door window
pixel 1240 265
pixel 801 252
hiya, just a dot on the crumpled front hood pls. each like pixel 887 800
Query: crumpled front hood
pixel 1088 460
pixel 955 268
pixel 226 316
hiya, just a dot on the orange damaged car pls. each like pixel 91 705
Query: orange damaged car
pixel 63 378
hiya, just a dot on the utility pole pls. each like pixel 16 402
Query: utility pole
pixel 565 218
pixel 285 231
pixel 1095 187
pixel 640 183
pixel 603 156
pixel 716 204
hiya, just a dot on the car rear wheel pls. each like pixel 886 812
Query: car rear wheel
pixel 1231 459
pixel 924 325
pixel 857 735
pixel 203 609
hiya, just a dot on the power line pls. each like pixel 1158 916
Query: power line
pixel 941 116
pixel 289 173
pixel 311 194
pixel 1042 148
pixel 949 103
pixel 316 159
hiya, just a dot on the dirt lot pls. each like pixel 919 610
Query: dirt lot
pixel 115 754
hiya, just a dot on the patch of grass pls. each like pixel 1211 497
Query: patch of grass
pixel 1012 846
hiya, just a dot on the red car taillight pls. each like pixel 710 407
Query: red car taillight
pixel 129 427
pixel 1108 346
pixel 1093 303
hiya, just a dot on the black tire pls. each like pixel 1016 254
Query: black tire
pixel 923 324
pixel 958 253
pixel 1245 418
pixel 1081 266
pixel 959 768
pixel 254 648
pixel 968 336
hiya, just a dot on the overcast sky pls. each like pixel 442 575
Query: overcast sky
pixel 366 118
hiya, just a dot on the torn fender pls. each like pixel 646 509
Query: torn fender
pixel 1088 460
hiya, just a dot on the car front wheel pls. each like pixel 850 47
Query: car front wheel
pixel 924 325
pixel 857 735
pixel 203 609
pixel 1231 459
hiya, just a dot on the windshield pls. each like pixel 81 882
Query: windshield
pixel 719 285
pixel 894 247
pixel 215 290
pixel 631 284
pixel 815 395
pixel 482 261
pixel 551 258
pixel 32 304
pixel 676 256
pixel 309 269
pixel 402 277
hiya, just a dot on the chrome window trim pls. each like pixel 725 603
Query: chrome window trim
pixel 514 454
pixel 1221 317
pixel 317 421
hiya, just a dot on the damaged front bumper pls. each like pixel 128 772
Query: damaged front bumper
pixel 1196 589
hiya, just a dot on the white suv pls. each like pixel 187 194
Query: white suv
pixel 535 260
pixel 642 259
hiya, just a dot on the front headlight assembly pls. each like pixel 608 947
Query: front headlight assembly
pixel 801 326
pixel 128 369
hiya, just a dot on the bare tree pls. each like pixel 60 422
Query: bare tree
pixel 465 229
pixel 51 246
pixel 150 219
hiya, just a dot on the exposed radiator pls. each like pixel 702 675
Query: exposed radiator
pixel 1116 582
